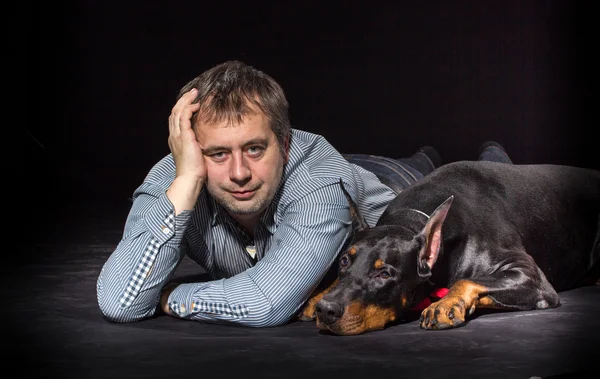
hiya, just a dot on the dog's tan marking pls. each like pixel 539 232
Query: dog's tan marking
pixel 309 310
pixel 404 301
pixel 487 302
pixel 358 319
pixel 371 317
pixel 462 300
pixel 379 264
pixel 352 250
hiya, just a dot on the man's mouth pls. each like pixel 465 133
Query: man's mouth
pixel 243 195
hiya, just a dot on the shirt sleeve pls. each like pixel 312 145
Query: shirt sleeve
pixel 305 244
pixel 129 285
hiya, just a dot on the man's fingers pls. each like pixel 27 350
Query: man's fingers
pixel 172 124
pixel 183 108
pixel 185 117
pixel 184 101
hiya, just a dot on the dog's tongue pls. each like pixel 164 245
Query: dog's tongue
pixel 434 295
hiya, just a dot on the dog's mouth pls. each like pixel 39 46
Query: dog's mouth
pixel 357 319
pixel 346 326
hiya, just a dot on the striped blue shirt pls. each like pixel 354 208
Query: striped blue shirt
pixel 299 236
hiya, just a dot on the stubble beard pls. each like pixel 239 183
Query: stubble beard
pixel 257 204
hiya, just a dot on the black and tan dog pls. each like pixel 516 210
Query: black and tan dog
pixel 496 235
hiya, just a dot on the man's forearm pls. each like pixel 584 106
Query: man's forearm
pixel 183 193
pixel 130 282
pixel 125 296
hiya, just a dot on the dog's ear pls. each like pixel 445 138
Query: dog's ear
pixel 432 233
pixel 358 221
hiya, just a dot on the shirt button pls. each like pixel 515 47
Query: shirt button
pixel 166 230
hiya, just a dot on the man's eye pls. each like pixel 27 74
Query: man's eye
pixel 255 150
pixel 218 156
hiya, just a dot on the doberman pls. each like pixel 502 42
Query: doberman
pixel 496 235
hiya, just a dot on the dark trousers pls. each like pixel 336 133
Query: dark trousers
pixel 399 173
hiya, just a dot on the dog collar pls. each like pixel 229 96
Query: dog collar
pixel 418 211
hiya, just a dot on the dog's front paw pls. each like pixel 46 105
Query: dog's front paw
pixel 309 311
pixel 448 312
pixel 307 315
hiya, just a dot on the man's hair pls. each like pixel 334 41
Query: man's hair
pixel 232 90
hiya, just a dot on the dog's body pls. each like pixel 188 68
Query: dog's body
pixel 497 235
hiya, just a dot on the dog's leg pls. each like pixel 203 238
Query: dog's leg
pixel 518 285
pixel 309 311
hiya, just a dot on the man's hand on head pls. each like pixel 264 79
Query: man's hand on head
pixel 190 170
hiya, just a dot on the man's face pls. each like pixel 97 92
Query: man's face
pixel 244 164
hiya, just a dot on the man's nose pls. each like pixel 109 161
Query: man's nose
pixel 239 171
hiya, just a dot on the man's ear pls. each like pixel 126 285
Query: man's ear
pixel 286 150
pixel 432 234
pixel 358 221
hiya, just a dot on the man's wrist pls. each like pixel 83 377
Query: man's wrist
pixel 183 193
pixel 164 298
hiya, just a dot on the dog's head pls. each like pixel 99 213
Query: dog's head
pixel 383 272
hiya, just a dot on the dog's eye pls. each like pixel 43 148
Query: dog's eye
pixel 384 275
pixel 344 261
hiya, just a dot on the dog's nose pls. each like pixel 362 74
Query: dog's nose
pixel 329 312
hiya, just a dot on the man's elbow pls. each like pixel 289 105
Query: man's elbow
pixel 276 317
pixel 113 310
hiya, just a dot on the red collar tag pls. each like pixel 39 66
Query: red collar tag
pixel 434 295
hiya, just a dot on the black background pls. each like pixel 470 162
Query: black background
pixel 373 77
pixel 93 88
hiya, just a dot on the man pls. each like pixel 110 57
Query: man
pixel 252 201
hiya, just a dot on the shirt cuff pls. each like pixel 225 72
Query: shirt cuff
pixel 162 223
pixel 181 300
pixel 185 303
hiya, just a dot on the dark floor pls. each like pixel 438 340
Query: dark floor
pixel 54 325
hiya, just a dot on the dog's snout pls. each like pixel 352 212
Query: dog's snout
pixel 329 312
